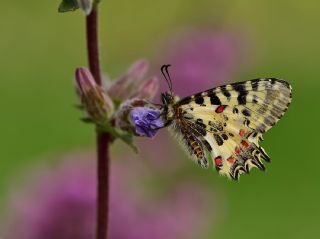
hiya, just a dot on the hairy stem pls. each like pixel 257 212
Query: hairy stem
pixel 103 139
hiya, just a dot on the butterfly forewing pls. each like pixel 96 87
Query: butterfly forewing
pixel 228 122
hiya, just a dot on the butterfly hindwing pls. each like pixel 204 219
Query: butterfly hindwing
pixel 229 121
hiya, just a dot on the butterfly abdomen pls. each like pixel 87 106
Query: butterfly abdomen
pixel 194 146
pixel 190 141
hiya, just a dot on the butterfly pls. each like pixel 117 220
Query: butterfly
pixel 225 124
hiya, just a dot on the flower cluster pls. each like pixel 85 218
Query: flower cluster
pixel 131 90
pixel 202 59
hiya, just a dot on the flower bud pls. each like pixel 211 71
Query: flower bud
pixel 128 84
pixel 94 100
pixel 139 117
pixel 138 69
pixel 148 90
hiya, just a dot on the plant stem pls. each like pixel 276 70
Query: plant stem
pixel 93 45
pixel 103 139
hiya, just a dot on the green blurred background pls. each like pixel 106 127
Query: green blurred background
pixel 39 50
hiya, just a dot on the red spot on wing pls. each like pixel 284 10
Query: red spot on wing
pixel 231 159
pixel 245 144
pixel 242 132
pixel 237 150
pixel 218 161
pixel 220 108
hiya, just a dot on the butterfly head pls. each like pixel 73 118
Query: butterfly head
pixel 167 98
pixel 168 101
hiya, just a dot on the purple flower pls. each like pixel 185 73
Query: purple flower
pixel 201 59
pixel 147 121
pixel 61 204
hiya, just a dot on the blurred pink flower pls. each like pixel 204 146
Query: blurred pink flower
pixel 201 59
pixel 62 205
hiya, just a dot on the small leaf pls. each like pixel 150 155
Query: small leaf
pixel 118 133
pixel 68 5
pixel 128 139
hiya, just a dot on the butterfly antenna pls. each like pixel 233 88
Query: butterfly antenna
pixel 166 75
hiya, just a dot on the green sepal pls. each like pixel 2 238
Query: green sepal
pixel 118 133
pixel 68 5
pixel 117 104
pixel 86 120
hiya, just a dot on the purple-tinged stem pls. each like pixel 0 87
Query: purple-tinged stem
pixel 93 45
pixel 103 139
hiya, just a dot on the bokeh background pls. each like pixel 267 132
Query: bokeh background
pixel 40 48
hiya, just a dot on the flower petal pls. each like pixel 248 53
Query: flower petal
pixel 147 121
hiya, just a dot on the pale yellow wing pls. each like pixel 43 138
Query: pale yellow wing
pixel 234 118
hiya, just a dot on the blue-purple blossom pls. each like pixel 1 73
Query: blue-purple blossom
pixel 147 121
